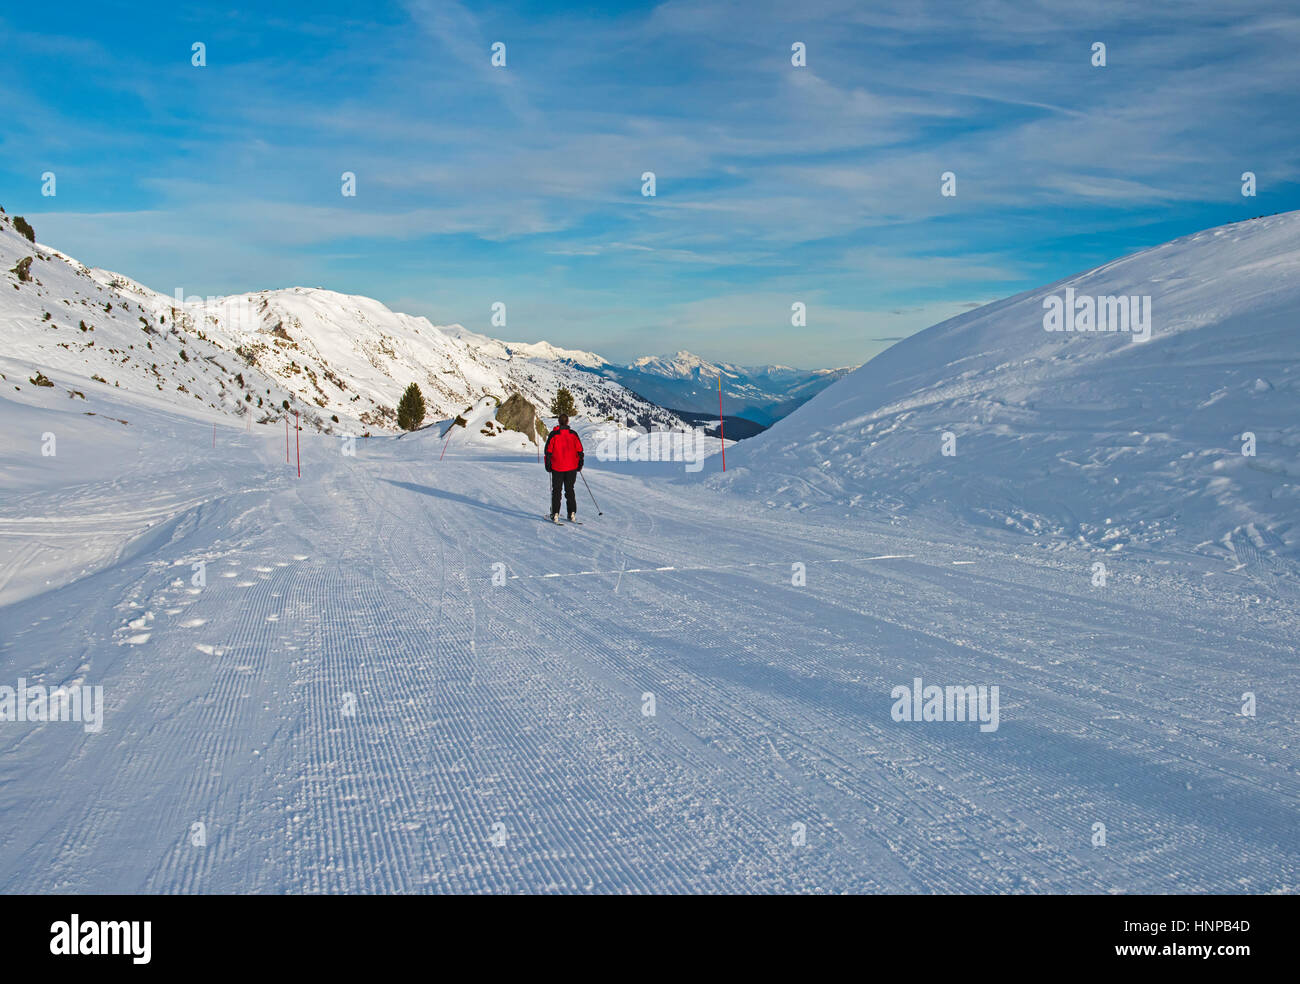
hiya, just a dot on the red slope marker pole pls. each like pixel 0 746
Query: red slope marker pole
pixel 297 450
pixel 722 437
pixel 286 440
pixel 448 441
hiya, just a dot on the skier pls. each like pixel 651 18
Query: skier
pixel 563 461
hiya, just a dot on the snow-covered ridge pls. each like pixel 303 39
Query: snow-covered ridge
pixel 341 361
pixel 681 365
pixel 1092 435
pixel 545 350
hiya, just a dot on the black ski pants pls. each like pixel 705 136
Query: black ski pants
pixel 565 481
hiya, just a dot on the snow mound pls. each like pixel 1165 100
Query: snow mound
pixel 1094 435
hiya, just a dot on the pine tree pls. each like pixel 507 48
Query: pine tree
pixel 563 404
pixel 410 411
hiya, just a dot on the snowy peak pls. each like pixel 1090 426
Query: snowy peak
pixel 545 350
pixel 681 365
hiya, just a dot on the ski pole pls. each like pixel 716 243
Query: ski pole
pixel 593 498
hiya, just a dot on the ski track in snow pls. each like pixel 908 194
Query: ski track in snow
pixel 521 705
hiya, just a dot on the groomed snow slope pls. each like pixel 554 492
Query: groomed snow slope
pixel 1093 436
pixel 367 585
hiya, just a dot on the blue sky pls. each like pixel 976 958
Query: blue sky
pixel 522 184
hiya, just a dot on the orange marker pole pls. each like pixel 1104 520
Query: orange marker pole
pixel 721 434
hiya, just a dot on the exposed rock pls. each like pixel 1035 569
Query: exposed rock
pixel 517 414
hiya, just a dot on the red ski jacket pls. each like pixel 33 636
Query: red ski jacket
pixel 563 451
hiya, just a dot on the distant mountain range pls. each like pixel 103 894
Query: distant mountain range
pixel 686 382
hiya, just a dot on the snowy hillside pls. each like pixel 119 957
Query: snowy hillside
pixel 341 361
pixel 1094 435
pixel 762 394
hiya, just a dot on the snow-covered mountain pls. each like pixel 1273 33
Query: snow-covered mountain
pixel 682 365
pixel 685 381
pixel 341 361
pixel 1097 435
